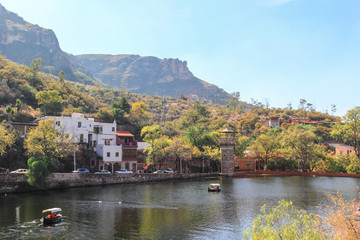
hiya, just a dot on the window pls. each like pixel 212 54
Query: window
pixel 107 142
pixel 94 143
pixel 113 129
pixel 98 129
pixel 81 138
pixel 117 154
pixel 108 154
pixel 79 124
pixel 57 123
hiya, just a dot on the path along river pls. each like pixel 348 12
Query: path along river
pixel 163 210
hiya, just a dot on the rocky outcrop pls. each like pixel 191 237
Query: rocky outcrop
pixel 151 75
pixel 22 42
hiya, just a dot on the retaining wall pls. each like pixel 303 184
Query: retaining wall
pixel 16 183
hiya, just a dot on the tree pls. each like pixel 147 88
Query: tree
pixel 10 111
pixel 265 147
pixel 139 114
pixel 18 105
pixel 158 151
pixel 301 145
pixel 349 131
pixel 105 115
pixel 234 100
pixel 119 109
pixel 284 221
pixel 151 133
pixel 122 104
pixel 7 138
pixel 333 109
pixel 200 139
pixel 178 150
pixel 50 101
pixel 241 145
pixel 36 66
pixel 46 140
pixel 40 169
pixel 62 76
pixel 198 114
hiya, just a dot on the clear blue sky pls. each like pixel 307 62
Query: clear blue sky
pixel 277 51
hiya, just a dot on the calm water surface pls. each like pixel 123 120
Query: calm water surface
pixel 163 210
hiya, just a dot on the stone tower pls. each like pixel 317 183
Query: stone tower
pixel 227 145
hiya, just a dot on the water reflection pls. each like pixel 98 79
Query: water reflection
pixel 171 210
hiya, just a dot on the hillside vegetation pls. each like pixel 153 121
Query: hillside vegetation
pixel 27 93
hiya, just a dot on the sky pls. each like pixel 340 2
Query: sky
pixel 272 51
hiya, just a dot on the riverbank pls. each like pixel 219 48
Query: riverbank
pixel 17 183
pixel 262 173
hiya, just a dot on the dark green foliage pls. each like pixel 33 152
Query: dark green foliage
pixel 281 164
pixel 39 170
pixel 199 137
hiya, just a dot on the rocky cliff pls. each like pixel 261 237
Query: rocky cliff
pixel 22 42
pixel 151 75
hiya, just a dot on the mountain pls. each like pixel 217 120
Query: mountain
pixel 151 75
pixel 22 42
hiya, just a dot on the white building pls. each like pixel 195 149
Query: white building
pixel 100 136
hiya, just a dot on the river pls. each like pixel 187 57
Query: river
pixel 163 210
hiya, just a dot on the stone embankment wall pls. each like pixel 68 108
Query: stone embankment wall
pixel 15 183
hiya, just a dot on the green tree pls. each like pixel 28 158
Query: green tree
pixel 36 66
pixel 301 145
pixel 139 114
pixel 7 138
pixel 178 150
pixel 265 147
pixel 349 131
pixel 285 222
pixel 50 102
pixel 197 114
pixel 62 76
pixel 18 105
pixel 105 115
pixel 151 133
pixel 241 145
pixel 46 140
pixel 40 169
pixel 158 151
pixel 122 104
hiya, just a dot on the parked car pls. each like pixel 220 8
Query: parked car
pixel 148 171
pixel 103 172
pixel 159 171
pixel 20 171
pixel 81 170
pixel 123 171
pixel 169 170
pixel 2 170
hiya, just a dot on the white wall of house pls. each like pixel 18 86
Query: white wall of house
pixel 103 135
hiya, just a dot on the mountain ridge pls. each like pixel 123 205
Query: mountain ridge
pixel 21 42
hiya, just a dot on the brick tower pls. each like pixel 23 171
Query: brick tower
pixel 227 145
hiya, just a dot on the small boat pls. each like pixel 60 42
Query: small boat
pixel 214 187
pixel 52 216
